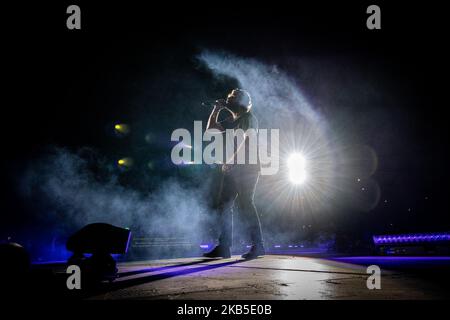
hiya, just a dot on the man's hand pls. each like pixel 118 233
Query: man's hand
pixel 212 120
pixel 219 104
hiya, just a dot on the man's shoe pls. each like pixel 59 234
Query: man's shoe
pixel 254 252
pixel 219 252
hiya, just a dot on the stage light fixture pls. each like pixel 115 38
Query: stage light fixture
pixel 16 260
pixel 297 168
pixel 101 240
pixel 125 162
pixel 411 238
pixel 122 128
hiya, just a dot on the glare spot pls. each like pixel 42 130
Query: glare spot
pixel 125 162
pixel 297 168
pixel 121 128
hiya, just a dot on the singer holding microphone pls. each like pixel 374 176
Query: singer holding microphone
pixel 237 182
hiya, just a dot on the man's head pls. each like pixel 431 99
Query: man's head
pixel 239 101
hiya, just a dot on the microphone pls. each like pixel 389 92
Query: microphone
pixel 220 102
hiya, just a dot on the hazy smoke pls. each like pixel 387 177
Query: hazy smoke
pixel 72 195
pixel 279 103
pixel 71 190
pixel 334 160
pixel 274 94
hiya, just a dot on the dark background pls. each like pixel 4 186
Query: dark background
pixel 66 88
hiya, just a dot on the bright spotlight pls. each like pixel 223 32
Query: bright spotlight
pixel 125 162
pixel 121 128
pixel 297 168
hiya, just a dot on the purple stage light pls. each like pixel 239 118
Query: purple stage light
pixel 204 246
pixel 411 238
pixel 128 241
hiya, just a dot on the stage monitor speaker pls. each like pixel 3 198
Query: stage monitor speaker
pixel 15 260
pixel 100 238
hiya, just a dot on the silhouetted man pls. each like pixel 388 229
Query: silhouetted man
pixel 237 181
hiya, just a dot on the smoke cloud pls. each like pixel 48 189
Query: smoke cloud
pixel 70 189
pixel 275 94
pixel 64 187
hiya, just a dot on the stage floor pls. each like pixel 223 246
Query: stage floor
pixel 269 277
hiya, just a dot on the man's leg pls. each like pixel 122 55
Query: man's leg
pixel 246 185
pixel 226 226
pixel 224 206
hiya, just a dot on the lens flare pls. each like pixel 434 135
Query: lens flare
pixel 297 168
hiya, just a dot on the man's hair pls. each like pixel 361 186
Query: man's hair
pixel 242 99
